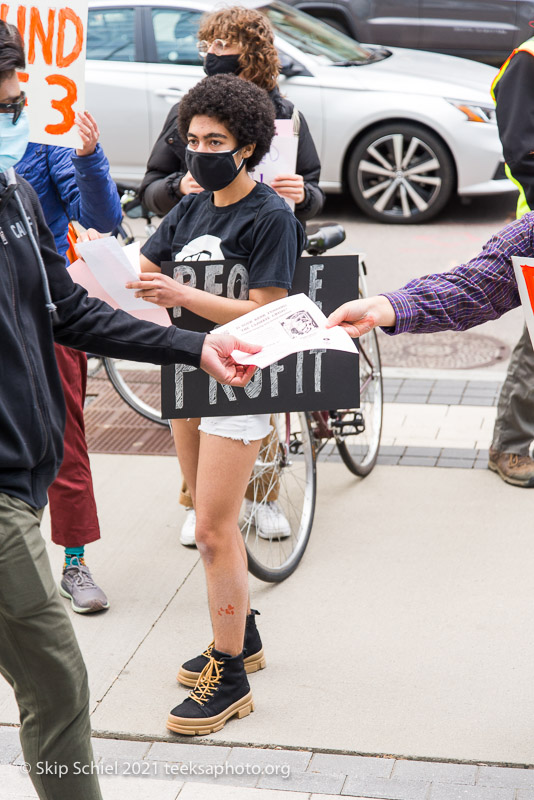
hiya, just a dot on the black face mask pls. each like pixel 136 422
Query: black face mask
pixel 220 65
pixel 213 171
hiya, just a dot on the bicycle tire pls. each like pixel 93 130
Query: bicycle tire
pixel 291 452
pixel 139 385
pixel 359 451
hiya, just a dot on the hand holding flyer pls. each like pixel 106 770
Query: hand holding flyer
pixel 284 327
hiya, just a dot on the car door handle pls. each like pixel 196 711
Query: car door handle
pixel 170 92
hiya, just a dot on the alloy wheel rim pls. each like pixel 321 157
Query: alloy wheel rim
pixel 399 175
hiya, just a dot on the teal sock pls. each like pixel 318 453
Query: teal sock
pixel 74 552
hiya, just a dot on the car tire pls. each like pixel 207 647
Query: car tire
pixel 389 178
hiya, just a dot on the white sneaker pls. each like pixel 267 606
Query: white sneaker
pixel 269 519
pixel 187 534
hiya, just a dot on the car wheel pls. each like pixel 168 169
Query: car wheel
pixel 400 174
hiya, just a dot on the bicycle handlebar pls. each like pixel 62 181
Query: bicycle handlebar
pixel 325 239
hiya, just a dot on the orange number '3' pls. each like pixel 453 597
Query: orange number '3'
pixel 64 106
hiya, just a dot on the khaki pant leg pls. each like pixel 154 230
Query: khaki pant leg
pixel 40 658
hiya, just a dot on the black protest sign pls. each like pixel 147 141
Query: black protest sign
pixel 314 380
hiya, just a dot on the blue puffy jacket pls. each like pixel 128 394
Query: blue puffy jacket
pixel 71 187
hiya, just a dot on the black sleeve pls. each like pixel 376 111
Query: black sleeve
pixel 309 166
pixel 514 94
pixel 159 190
pixel 89 324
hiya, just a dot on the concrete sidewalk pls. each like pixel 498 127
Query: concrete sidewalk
pixel 404 634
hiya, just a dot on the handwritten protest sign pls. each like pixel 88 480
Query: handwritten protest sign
pixel 54 38
pixel 311 380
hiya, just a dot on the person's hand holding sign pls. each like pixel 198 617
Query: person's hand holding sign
pixel 89 133
pixel 188 185
pixel 290 186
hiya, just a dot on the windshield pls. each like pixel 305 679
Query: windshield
pixel 314 37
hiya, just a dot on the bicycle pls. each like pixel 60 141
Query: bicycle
pixel 285 469
pixel 286 464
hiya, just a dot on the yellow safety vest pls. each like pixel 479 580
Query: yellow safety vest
pixel 527 47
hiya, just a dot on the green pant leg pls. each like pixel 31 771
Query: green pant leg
pixel 40 658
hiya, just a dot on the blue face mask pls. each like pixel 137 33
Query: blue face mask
pixel 13 139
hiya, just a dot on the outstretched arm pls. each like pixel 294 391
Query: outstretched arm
pixel 483 289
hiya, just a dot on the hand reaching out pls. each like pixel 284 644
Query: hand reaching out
pixel 361 316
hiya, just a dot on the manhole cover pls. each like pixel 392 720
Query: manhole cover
pixel 446 350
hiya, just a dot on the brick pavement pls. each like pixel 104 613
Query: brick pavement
pixel 166 771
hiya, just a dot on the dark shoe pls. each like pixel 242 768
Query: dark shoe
pixel 222 691
pixel 253 657
pixel 78 585
pixel 512 468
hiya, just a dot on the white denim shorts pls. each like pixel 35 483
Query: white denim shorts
pixel 247 428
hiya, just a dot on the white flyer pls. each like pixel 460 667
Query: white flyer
pixel 284 327
pixel 113 267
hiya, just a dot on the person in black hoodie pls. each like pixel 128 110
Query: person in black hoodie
pixel 240 41
pixel 39 304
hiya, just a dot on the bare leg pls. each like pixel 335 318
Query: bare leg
pixel 187 441
pixel 224 468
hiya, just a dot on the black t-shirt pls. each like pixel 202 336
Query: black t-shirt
pixel 260 228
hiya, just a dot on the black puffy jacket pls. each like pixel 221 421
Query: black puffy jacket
pixel 32 410
pixel 166 165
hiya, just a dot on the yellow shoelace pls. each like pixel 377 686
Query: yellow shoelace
pixel 208 680
pixel 207 651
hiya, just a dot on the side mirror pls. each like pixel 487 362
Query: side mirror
pixel 290 67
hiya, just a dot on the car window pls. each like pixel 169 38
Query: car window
pixel 110 34
pixel 313 37
pixel 175 32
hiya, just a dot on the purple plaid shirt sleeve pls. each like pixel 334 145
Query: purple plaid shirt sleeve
pixel 483 289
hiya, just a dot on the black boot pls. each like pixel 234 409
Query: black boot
pixel 222 691
pixel 253 656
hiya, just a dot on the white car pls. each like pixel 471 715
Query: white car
pixel 401 129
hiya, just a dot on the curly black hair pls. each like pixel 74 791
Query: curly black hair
pixel 241 106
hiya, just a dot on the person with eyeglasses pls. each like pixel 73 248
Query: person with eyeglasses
pixel 39 655
pixel 236 41
pixel 73 185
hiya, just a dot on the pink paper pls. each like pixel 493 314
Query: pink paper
pixel 80 273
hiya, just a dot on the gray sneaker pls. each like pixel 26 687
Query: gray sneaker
pixel 78 585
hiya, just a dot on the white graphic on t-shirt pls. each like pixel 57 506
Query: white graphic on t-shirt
pixel 203 248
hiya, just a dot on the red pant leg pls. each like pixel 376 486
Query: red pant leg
pixel 72 502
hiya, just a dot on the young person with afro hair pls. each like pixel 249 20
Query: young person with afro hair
pixel 228 124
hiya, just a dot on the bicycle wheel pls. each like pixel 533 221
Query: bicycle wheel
pixel 285 466
pixel 358 439
pixel 139 385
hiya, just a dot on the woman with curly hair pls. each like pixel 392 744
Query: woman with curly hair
pixel 239 41
pixel 228 124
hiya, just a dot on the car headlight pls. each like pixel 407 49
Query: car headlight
pixel 475 112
